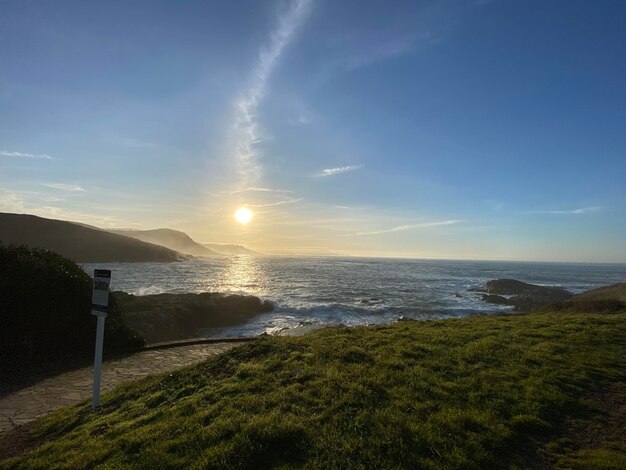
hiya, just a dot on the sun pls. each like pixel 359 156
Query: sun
pixel 243 215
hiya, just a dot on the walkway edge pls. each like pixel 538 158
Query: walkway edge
pixel 192 342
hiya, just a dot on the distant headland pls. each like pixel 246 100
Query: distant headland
pixel 86 244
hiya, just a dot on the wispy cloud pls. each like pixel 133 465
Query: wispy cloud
pixel 581 210
pixel 20 202
pixel 277 203
pixel 77 216
pixel 427 25
pixel 246 123
pixel 338 170
pixel 260 190
pixel 395 47
pixel 10 202
pixel 300 120
pixel 402 228
pixel 65 187
pixel 6 153
pixel 493 204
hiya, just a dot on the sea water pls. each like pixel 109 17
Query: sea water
pixel 310 292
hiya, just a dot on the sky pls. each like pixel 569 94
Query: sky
pixel 492 129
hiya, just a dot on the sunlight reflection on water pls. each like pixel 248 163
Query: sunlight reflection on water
pixel 238 274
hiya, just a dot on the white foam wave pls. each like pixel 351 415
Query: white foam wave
pixel 150 290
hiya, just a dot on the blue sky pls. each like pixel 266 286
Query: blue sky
pixel 453 129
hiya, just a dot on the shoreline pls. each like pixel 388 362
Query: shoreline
pixel 500 296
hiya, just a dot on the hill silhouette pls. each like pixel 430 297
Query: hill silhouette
pixel 79 243
pixel 183 243
pixel 172 239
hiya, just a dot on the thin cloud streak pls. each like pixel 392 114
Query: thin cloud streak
pixel 66 187
pixel 277 203
pixel 246 123
pixel 261 190
pixel 399 46
pixel 402 228
pixel 43 156
pixel 582 210
pixel 339 170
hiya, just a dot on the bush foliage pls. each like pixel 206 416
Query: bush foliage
pixel 45 304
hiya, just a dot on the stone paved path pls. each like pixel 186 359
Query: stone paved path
pixel 74 386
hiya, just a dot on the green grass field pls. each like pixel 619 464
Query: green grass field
pixel 512 391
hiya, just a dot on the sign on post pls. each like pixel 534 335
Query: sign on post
pixel 99 306
pixel 101 283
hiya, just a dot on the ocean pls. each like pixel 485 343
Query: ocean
pixel 309 292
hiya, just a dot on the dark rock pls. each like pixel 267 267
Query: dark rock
pixel 528 302
pixel 526 296
pixel 168 317
pixel 495 299
pixel 514 287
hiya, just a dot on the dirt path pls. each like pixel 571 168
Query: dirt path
pixel 72 387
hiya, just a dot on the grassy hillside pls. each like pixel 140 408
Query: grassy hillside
pixel 77 242
pixel 172 239
pixel 482 392
pixel 607 299
pixel 614 291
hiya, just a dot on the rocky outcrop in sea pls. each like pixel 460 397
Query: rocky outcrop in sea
pixel 523 297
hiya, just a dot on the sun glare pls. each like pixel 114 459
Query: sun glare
pixel 243 215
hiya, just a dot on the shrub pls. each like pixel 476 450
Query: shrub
pixel 45 304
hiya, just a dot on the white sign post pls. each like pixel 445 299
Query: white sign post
pixel 99 305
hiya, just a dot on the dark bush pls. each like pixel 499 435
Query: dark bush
pixel 45 304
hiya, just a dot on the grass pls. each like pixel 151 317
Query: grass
pixel 614 291
pixel 506 391
pixel 607 299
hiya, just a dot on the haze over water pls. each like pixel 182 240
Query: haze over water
pixel 350 291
